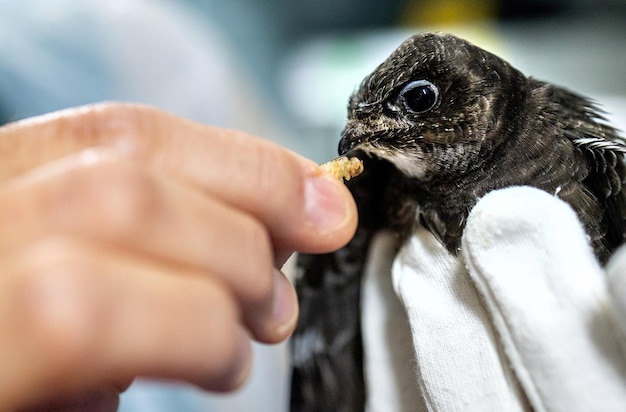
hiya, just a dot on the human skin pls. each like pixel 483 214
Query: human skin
pixel 137 243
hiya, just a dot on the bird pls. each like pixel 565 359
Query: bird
pixel 439 124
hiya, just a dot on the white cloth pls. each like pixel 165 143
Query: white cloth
pixel 385 325
pixel 526 319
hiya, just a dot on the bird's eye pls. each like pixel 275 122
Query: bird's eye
pixel 419 96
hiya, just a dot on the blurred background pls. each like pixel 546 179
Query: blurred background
pixel 280 69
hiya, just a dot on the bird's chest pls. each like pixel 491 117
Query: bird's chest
pixel 443 212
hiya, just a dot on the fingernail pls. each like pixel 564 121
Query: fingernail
pixel 285 306
pixel 244 360
pixel 325 203
pixel 237 369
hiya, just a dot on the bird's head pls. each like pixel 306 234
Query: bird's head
pixel 435 107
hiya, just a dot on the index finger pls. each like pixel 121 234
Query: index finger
pixel 300 205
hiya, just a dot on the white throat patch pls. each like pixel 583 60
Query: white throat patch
pixel 409 164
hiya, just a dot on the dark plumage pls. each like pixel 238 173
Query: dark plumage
pixel 439 124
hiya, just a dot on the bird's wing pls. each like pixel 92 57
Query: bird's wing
pixel 606 179
pixel 604 152
pixel 326 346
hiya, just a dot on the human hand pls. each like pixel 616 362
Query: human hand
pixel 138 243
pixel 533 323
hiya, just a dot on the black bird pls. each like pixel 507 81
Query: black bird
pixel 439 124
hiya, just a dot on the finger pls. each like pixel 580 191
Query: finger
pixel 281 257
pixel 99 197
pixel 102 400
pixel 530 258
pixel 75 316
pixel 303 208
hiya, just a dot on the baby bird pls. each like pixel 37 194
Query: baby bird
pixel 439 124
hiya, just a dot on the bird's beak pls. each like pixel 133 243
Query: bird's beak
pixel 345 144
pixel 349 141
